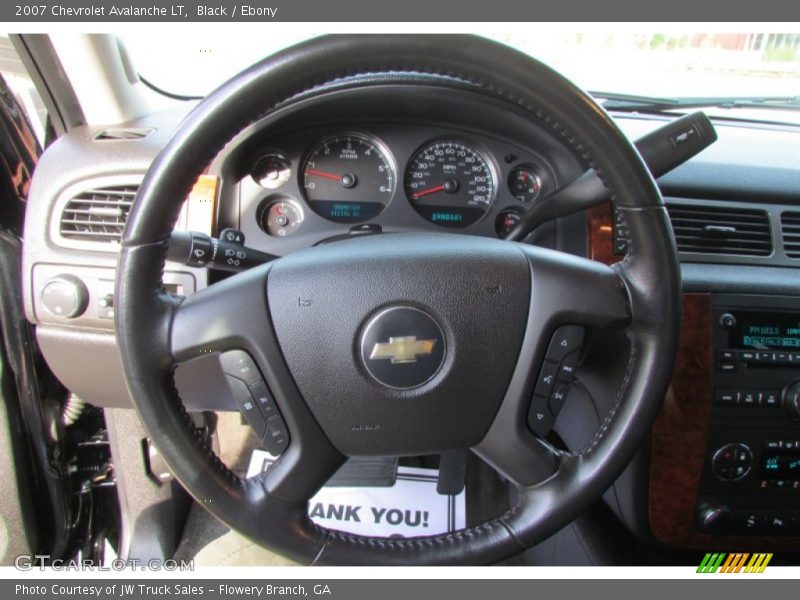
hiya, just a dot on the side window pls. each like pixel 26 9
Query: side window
pixel 23 121
pixel 22 88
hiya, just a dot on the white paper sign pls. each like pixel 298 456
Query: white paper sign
pixel 410 508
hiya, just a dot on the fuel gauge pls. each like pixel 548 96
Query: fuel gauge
pixel 281 216
pixel 524 184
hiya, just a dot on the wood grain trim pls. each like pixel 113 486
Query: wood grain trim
pixel 601 240
pixel 680 433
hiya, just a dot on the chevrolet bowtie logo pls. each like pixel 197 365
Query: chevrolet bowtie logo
pixel 404 349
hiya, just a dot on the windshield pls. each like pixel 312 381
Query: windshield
pixel 666 65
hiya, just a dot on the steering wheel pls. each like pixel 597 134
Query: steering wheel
pixel 484 309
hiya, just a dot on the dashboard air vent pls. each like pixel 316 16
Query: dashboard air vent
pixel 98 214
pixel 714 230
pixel 131 133
pixel 790 227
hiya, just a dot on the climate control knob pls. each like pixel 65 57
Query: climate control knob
pixel 791 399
pixel 732 462
pixel 65 296
pixel 716 520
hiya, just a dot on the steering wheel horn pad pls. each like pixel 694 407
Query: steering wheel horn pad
pixel 303 319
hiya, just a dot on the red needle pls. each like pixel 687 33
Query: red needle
pixel 323 174
pixel 433 190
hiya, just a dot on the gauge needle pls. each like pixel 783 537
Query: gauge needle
pixel 433 190
pixel 323 174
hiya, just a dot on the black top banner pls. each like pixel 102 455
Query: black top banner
pixel 449 11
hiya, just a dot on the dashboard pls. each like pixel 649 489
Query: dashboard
pixel 390 158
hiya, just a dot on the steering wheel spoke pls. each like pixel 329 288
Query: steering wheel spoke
pixel 571 289
pixel 229 315
pixel 232 318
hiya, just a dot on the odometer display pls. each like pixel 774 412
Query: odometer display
pixel 348 179
pixel 450 184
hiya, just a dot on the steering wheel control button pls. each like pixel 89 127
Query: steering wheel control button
pixel 566 370
pixel 238 363
pixel 546 379
pixel 65 296
pixel 557 399
pixel 565 340
pixel 402 347
pixel 255 400
pixel 540 419
pixel 275 438
pixel 263 399
pixel 247 405
pixel 732 462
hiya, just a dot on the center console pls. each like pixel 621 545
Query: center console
pixel 750 483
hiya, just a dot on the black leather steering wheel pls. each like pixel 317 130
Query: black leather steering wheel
pixel 495 303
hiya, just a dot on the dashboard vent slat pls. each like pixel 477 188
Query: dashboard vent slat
pixel 123 134
pixel 97 214
pixel 790 229
pixel 728 231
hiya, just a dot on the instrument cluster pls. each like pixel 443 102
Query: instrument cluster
pixel 411 176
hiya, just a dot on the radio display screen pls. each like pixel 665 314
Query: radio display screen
pixel 783 463
pixel 768 332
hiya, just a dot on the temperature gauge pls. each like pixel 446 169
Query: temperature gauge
pixel 281 216
pixel 524 184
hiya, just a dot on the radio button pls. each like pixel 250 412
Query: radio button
pixel 747 356
pixel 765 357
pixel 726 397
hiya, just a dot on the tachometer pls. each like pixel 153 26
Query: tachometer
pixel 450 184
pixel 348 179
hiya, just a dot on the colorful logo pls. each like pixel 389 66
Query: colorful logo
pixel 734 563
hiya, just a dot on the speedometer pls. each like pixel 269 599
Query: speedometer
pixel 450 183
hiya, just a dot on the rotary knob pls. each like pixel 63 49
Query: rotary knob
pixel 791 399
pixel 732 462
pixel 717 520
pixel 65 296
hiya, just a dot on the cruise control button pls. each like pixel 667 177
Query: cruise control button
pixel 565 340
pixel 547 379
pixel 239 364
pixel 540 419
pixel 276 438
pixel 246 403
